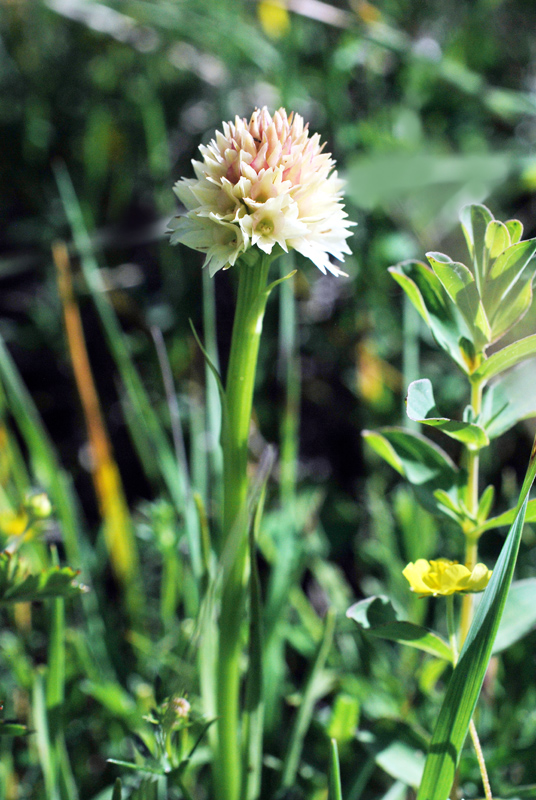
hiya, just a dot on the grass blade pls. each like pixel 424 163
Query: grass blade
pixel 335 789
pixel 118 529
pixel 305 712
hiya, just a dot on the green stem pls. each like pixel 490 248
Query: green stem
pixel 481 762
pixel 471 558
pixel 247 329
pixel 451 628
pixel 471 543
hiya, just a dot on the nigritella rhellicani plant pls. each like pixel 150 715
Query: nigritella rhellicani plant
pixel 468 308
pixel 264 183
pixel 263 187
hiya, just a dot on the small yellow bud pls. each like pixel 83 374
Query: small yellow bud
pixel 38 505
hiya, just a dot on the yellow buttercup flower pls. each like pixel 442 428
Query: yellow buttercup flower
pixel 443 577
pixel 274 18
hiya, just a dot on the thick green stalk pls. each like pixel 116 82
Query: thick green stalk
pixel 240 383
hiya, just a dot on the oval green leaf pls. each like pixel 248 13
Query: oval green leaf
pixel 421 407
pixel 505 358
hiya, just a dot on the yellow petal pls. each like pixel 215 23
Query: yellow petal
pixel 480 578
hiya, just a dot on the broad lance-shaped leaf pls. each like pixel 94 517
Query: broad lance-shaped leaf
pixel 504 359
pixel 421 407
pixel 461 287
pixel 466 681
pixel 515 228
pixel 512 309
pixel 475 220
pixel 509 399
pixel 496 239
pixel 425 465
pixel 425 291
pixel 376 616
pixel 504 273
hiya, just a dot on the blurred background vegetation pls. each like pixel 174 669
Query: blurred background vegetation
pixel 426 107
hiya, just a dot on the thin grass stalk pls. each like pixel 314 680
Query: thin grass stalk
pixel 303 717
pixel 55 697
pixel 47 757
pixel 118 530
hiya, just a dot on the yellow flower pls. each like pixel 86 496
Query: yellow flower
pixel 445 577
pixel 274 18
pixel 263 183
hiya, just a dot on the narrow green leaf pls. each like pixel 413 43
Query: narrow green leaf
pixel 462 289
pixel 512 309
pixel 212 367
pixel 504 359
pixel 269 289
pixel 504 274
pixel 13 729
pixel 450 506
pixel 421 407
pixel 507 518
pixel 425 291
pixel 335 789
pixel 485 503
pixel 376 616
pixel 466 681
pixel 304 714
pixel 137 767
pixel 47 756
pixel 117 793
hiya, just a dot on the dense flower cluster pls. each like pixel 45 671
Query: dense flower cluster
pixel 263 183
pixel 443 577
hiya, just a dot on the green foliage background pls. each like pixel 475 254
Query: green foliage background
pixel 426 107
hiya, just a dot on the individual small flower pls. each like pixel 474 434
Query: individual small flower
pixel 38 504
pixel 443 577
pixel 263 183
